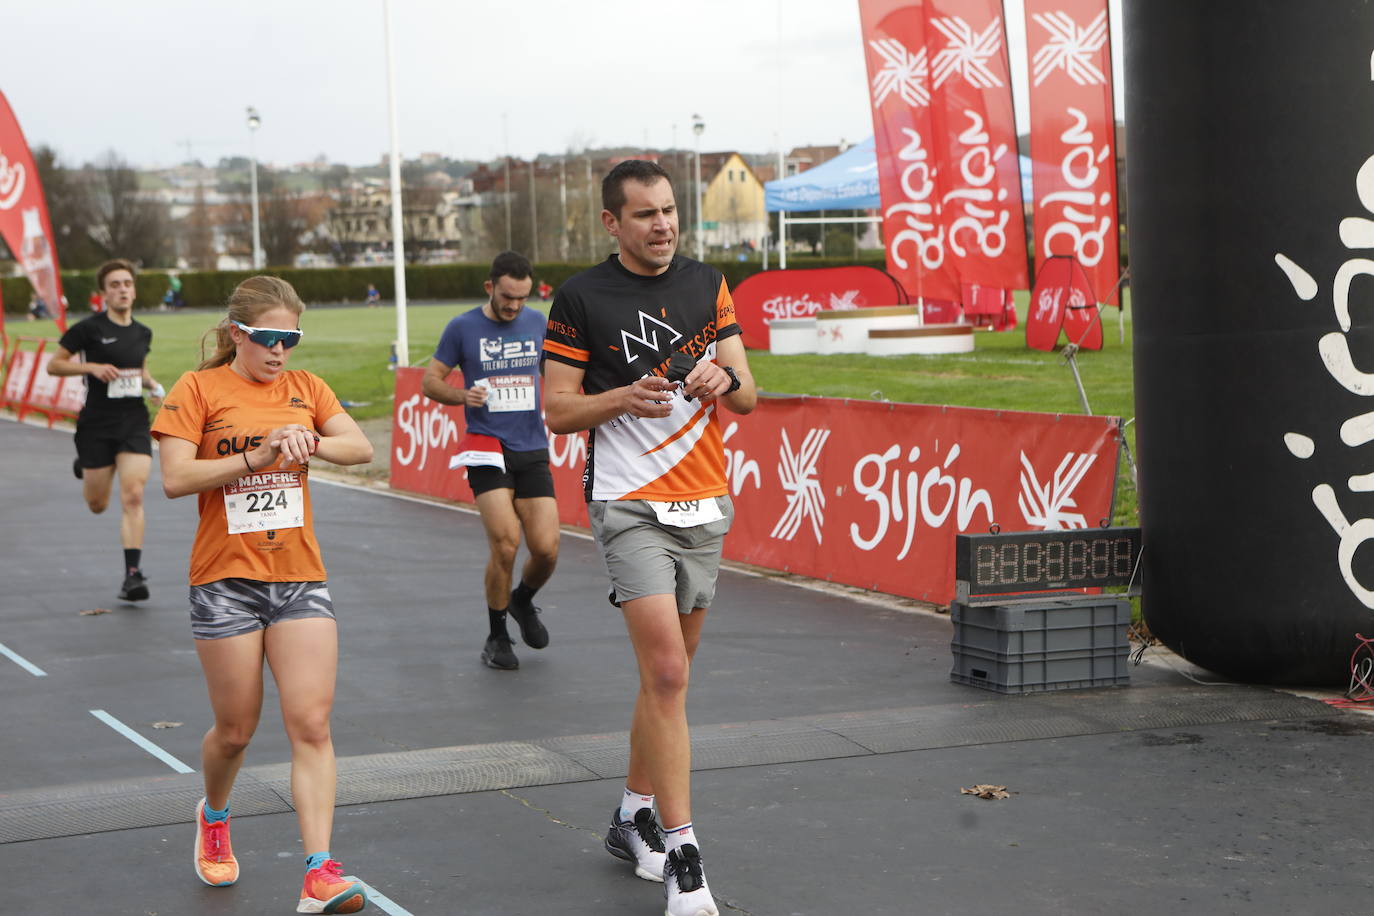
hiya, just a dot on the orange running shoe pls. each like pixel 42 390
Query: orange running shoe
pixel 215 862
pixel 327 891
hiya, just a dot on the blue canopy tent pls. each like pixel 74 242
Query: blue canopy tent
pixel 847 182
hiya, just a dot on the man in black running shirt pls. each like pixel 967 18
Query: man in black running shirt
pixel 112 429
pixel 655 486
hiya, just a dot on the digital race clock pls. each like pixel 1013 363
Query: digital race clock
pixel 1032 561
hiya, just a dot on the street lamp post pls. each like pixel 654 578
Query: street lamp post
pixel 698 126
pixel 253 123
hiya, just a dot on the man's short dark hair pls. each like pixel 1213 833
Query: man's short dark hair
pixel 110 267
pixel 511 264
pixel 613 185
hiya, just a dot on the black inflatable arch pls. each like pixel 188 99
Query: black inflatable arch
pixel 1250 171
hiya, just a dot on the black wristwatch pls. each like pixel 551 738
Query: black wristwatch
pixel 734 379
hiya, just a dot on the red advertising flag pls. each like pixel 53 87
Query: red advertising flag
pixel 894 34
pixel 975 149
pixel 1073 137
pixel 24 223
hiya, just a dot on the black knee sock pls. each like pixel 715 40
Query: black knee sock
pixel 523 594
pixel 498 622
pixel 132 557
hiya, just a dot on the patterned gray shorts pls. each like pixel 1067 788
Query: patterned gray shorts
pixel 232 607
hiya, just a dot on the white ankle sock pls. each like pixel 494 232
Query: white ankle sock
pixel 680 836
pixel 631 802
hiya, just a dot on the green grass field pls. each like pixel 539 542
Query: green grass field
pixel 349 348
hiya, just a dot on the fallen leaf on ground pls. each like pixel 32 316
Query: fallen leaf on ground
pixel 986 791
pixel 90 612
pixel 166 725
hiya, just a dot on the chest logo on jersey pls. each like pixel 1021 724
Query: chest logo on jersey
pixel 495 349
pixel 236 444
pixel 297 402
pixel 648 339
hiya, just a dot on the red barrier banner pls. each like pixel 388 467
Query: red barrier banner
pixel 863 493
pixel 71 397
pixel 44 391
pixel 24 223
pixel 1073 137
pixel 425 436
pixel 894 35
pixel 766 297
pixel 975 150
pixel 28 388
pixel 18 376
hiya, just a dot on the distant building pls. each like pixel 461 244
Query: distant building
pixel 433 220
pixel 808 157
pixel 732 202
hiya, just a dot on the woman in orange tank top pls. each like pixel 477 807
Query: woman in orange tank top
pixel 240 432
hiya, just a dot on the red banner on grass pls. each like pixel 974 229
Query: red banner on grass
pixel 945 134
pixel 24 223
pixel 1062 299
pixel 863 493
pixel 1073 137
pixel 975 129
pixel 765 297
pixel 894 34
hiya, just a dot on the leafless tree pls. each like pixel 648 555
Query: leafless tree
pixel 285 218
pixel 123 223
pixel 68 209
pixel 199 233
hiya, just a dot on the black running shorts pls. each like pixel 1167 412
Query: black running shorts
pixel 97 444
pixel 527 473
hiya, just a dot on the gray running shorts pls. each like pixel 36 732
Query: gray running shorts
pixel 232 607
pixel 646 557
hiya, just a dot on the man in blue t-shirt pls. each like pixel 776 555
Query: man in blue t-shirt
pixel 506 449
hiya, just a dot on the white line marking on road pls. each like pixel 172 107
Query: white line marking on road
pixel 22 662
pixel 382 901
pixel 141 741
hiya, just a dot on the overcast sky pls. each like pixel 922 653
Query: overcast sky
pixel 158 79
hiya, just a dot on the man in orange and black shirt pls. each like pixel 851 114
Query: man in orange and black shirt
pixel 655 485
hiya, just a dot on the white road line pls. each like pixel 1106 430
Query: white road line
pixel 380 900
pixel 141 741
pixel 22 662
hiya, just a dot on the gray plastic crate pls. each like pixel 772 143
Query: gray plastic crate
pixel 1047 644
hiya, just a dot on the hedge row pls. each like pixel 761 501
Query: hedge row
pixel 211 289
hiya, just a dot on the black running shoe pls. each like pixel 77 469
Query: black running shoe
pixel 639 841
pixel 497 653
pixel 532 632
pixel 684 884
pixel 76 468
pixel 135 587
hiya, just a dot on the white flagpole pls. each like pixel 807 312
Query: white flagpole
pixel 397 224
